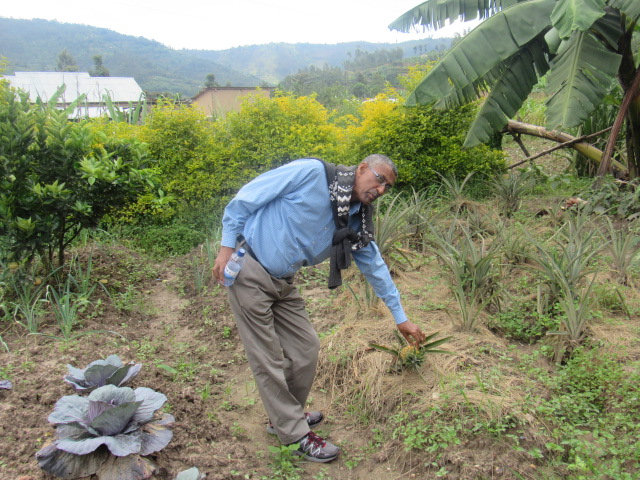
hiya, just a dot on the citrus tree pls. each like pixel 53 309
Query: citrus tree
pixel 58 177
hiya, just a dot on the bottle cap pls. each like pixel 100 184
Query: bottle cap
pixel 241 252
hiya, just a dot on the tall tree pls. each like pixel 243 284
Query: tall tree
pixel 99 70
pixel 583 44
pixel 66 63
pixel 210 82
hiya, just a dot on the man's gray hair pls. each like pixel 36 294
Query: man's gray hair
pixel 379 159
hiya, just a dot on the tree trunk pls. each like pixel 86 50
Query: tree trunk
pixel 628 76
pixel 629 110
pixel 585 148
pixel 633 138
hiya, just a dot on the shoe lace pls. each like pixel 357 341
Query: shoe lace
pixel 313 442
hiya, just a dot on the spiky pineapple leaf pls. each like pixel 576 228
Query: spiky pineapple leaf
pixel 437 351
pixel 433 335
pixel 384 349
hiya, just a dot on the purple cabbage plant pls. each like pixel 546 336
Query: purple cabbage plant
pixel 109 371
pixel 107 433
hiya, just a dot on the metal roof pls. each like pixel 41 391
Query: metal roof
pixel 45 84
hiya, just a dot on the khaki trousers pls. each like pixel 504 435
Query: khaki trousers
pixel 281 345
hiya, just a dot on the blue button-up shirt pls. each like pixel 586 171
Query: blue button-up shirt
pixel 285 216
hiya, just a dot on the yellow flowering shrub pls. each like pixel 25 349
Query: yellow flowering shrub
pixel 269 132
pixel 420 140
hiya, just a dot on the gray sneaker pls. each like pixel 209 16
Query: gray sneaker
pixel 316 449
pixel 313 419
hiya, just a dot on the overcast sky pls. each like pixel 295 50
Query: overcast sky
pixel 218 25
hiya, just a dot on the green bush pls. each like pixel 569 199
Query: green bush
pixel 269 132
pixel 193 167
pixel 152 202
pixel 201 161
pixel 591 417
pixel 588 383
pixel 421 141
pixel 523 323
pixel 161 241
pixel 430 432
pixel 613 197
pixel 59 177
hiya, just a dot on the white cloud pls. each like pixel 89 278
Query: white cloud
pixel 217 24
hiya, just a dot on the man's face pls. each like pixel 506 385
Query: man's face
pixel 367 186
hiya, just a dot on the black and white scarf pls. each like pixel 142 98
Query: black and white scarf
pixel 341 179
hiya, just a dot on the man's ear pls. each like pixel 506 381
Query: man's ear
pixel 361 168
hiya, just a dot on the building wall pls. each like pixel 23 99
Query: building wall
pixel 221 100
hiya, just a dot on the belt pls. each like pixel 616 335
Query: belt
pixel 243 243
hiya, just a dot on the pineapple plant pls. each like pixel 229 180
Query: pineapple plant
pixel 409 356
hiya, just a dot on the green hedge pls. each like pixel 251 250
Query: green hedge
pixel 421 141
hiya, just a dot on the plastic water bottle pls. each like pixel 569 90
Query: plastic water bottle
pixel 233 267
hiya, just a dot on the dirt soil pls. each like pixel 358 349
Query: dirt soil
pixel 189 349
pixel 188 345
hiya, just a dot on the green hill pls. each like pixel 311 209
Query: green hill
pixel 275 61
pixel 34 45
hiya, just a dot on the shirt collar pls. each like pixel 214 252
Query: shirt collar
pixel 354 207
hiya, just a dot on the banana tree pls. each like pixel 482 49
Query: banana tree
pixel 584 45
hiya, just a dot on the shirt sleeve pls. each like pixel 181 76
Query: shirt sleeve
pixel 370 262
pixel 259 192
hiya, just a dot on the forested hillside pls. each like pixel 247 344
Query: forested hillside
pixel 275 61
pixel 34 45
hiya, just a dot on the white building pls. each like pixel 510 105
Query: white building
pixel 123 91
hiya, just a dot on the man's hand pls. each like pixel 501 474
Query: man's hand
pixel 221 261
pixel 412 333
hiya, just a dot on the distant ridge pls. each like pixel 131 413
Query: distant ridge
pixel 274 61
pixel 34 45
